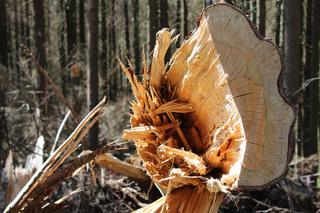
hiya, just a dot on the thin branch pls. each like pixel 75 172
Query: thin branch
pixel 59 132
pixel 55 88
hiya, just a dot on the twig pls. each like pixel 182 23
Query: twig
pixel 55 88
pixel 59 132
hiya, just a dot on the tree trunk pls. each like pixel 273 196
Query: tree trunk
pixel 112 40
pixel 40 41
pixel 71 23
pixel 136 39
pixel 278 21
pixel 3 34
pixel 82 35
pixel 17 31
pixel 127 29
pixel 293 47
pixel 185 18
pixel 178 21
pixel 103 37
pixel 93 81
pixel 164 19
pixel 262 17
pixel 153 22
pixel 61 45
pixel 311 95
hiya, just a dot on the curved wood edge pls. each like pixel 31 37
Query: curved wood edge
pixel 280 89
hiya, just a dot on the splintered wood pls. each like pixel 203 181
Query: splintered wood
pixel 185 123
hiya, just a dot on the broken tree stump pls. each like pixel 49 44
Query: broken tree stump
pixel 215 118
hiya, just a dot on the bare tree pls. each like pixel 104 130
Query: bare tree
pixel 311 95
pixel 293 47
pixel 153 22
pixel 127 29
pixel 185 18
pixel 164 17
pixel 82 24
pixel 3 34
pixel 262 17
pixel 40 40
pixel 178 20
pixel 93 69
pixel 136 39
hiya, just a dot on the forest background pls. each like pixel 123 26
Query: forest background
pixel 77 42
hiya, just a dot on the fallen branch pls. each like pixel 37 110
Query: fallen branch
pixel 133 172
pixel 25 196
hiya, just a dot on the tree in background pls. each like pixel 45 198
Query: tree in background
pixel 93 68
pixel 178 21
pixel 3 34
pixel 262 17
pixel 311 95
pixel 71 23
pixel 40 41
pixel 136 38
pixel 153 22
pixel 293 47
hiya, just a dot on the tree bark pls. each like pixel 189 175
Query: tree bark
pixel 93 81
pixel 3 34
pixel 112 40
pixel 82 35
pixel 278 21
pixel 185 18
pixel 17 32
pixel 178 21
pixel 164 18
pixel 127 29
pixel 103 37
pixel 136 39
pixel 71 23
pixel 262 17
pixel 293 47
pixel 311 95
pixel 61 45
pixel 40 41
pixel 153 22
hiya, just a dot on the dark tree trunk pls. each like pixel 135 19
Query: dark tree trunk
pixel 253 10
pixel 3 124
pixel 114 74
pixel 93 80
pixel 206 3
pixel 3 34
pixel 278 21
pixel 17 31
pixel 127 28
pixel 293 47
pixel 178 21
pixel 262 17
pixel 136 39
pixel 104 48
pixel 153 22
pixel 82 35
pixel 40 41
pixel 71 23
pixel 311 95
pixel 164 18
pixel 61 45
pixel 185 18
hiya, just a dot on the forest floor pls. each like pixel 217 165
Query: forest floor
pixel 112 192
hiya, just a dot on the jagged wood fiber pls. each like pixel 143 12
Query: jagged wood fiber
pixel 192 120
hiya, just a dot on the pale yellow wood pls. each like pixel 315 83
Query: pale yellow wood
pixel 253 66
